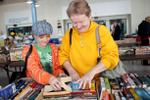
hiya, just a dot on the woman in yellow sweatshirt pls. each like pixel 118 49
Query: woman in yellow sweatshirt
pixel 80 57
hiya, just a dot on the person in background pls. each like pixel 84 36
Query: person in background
pixel 144 31
pixel 144 34
pixel 116 31
pixel 43 64
pixel 9 44
pixel 80 57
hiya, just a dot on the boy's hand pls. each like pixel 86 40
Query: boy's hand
pixel 55 83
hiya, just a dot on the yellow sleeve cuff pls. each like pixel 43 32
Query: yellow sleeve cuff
pixel 106 64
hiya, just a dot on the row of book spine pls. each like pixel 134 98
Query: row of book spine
pixel 11 90
pixel 30 92
pixel 21 90
pixel 135 88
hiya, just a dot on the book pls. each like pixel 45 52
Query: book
pixel 144 81
pixel 131 82
pixel 107 84
pixel 121 83
pixel 137 82
pixel 105 95
pixel 114 85
pixel 56 93
pixel 148 91
pixel 142 93
pixel 135 95
pixel 23 93
pixel 117 96
pixel 103 87
pixel 127 94
pixel 122 97
pixel 112 97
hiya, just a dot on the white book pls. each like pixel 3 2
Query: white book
pixel 103 87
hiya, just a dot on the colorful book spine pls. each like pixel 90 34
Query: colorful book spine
pixel 117 97
pixel 121 83
pixel 19 87
pixel 148 91
pixel 98 88
pixel 34 95
pixel 93 83
pixel 138 77
pixel 136 97
pixel 105 95
pixel 107 84
pixel 142 93
pixel 144 81
pixel 114 85
pixel 103 87
pixel 121 95
pixel 147 80
pixel 131 82
pixel 137 82
pixel 7 91
pixel 125 80
pixel 112 97
pixel 23 93
pixel 127 93
pixel 148 76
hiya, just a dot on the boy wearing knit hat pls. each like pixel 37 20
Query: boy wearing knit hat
pixel 43 64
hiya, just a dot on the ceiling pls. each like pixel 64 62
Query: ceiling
pixel 11 1
pixel 3 2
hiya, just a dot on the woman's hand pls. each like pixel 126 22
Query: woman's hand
pixel 72 72
pixel 55 83
pixel 86 80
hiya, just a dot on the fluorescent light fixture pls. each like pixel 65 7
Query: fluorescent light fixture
pixel 29 1
pixel 37 5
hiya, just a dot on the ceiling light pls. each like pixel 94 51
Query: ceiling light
pixel 29 1
pixel 37 5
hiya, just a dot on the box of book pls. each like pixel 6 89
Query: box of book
pixel 16 54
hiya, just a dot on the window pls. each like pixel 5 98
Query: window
pixel 122 20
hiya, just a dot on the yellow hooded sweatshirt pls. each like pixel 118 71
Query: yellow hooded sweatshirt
pixel 83 52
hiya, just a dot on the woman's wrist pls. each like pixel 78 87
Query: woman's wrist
pixel 98 69
pixel 72 72
pixel 69 68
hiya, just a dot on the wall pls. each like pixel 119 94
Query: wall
pixel 106 7
pixel 11 13
pixel 140 9
pixel 2 24
pixel 52 10
pixel 14 14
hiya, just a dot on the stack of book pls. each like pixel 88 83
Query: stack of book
pixel 144 50
pixel 70 90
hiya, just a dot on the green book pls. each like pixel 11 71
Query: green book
pixel 107 84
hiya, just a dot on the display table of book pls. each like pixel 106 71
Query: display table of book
pixel 134 57
pixel 135 87
pixel 134 53
pixel 129 87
